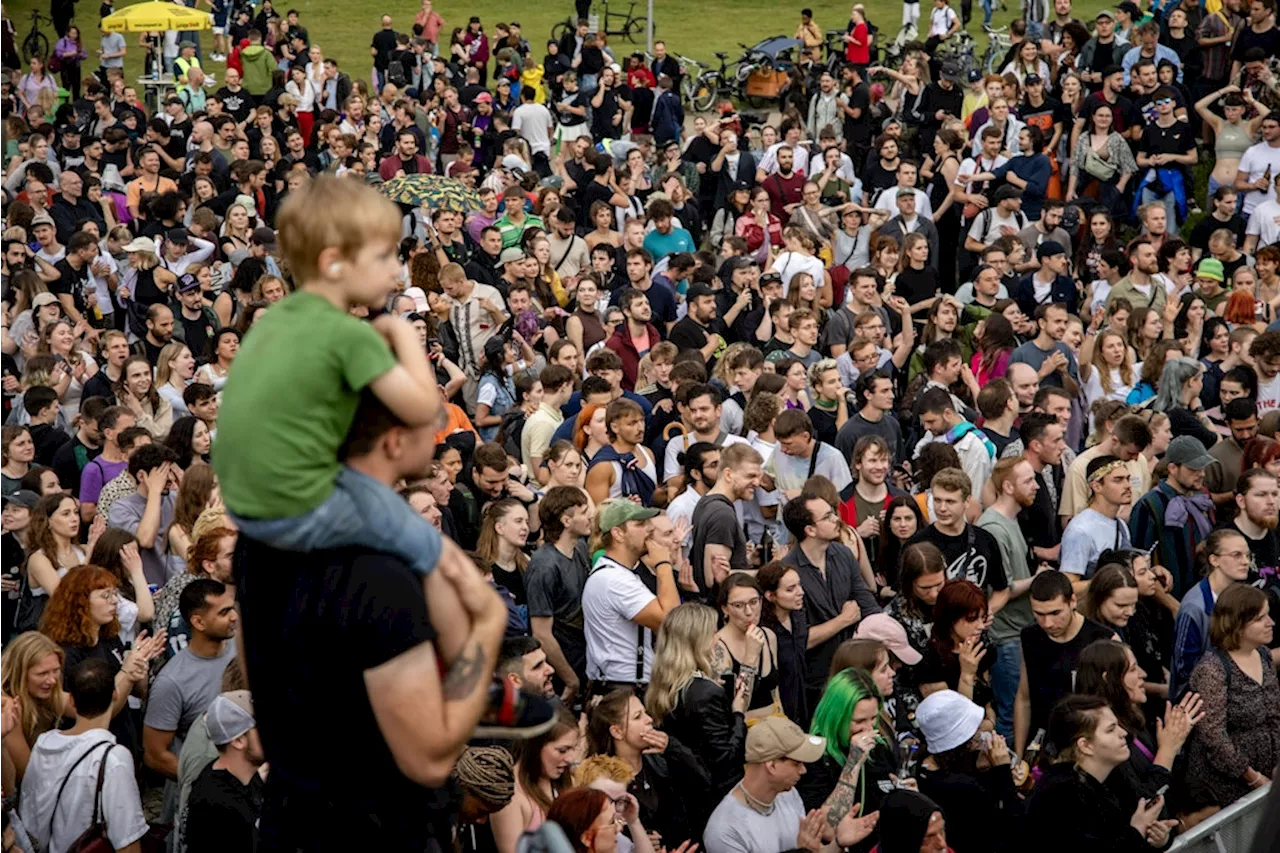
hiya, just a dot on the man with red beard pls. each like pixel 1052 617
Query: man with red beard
pixel 1258 497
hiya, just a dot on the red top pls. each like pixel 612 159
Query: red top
pixel 858 51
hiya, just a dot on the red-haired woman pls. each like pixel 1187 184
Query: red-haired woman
pixel 592 823
pixel 81 618
pixel 1262 452
pixel 956 657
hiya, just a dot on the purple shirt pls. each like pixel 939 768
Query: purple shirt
pixel 97 474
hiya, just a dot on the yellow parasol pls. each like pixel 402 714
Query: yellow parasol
pixel 156 16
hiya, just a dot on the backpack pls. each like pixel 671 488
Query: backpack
pixel 989 213
pixel 395 70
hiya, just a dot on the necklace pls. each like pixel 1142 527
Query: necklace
pixel 756 805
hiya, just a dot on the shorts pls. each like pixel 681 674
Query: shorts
pixel 219 31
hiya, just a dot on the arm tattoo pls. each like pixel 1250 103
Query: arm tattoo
pixel 464 673
pixel 841 801
pixel 720 659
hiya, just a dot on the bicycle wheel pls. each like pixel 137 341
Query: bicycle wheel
pixel 561 29
pixel 36 44
pixel 634 30
pixel 705 91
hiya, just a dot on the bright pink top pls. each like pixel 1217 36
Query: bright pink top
pixel 1000 368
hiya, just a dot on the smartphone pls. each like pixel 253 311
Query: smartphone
pixel 58 359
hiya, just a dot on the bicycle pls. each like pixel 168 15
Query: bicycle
pixel 691 70
pixel 998 44
pixel 632 28
pixel 896 51
pixel 37 43
pixel 730 80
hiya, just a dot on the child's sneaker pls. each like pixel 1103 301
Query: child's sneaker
pixel 514 714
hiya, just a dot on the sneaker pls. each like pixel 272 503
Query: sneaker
pixel 513 714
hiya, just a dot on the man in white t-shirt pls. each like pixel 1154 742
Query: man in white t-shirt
pixel 1265 351
pixel 1264 222
pixel 764 813
pixel 620 614
pixel 802 457
pixel 943 21
pixel 534 124
pixel 1003 219
pixel 908 172
pixel 1251 176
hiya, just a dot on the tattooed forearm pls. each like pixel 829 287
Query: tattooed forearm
pixel 464 673
pixel 842 798
pixel 720 661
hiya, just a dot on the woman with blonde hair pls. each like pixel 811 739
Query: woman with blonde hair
pixel 198 491
pixel 174 370
pixel 546 284
pixel 237 227
pixel 31 674
pixel 687 702
pixel 1106 367
pixel 503 534
pixel 152 282
pixel 136 391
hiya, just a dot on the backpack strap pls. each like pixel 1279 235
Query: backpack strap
pixel 97 796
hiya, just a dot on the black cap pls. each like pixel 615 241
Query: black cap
pixel 741 185
pixel 770 277
pixel 264 236
pixel 1032 80
pixel 187 283
pixel 23 498
pixel 177 235
pixel 698 289
pixel 1049 248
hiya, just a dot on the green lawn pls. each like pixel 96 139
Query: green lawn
pixel 698 28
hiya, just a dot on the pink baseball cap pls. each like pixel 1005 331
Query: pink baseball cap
pixel 886 629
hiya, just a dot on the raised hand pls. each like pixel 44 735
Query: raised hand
pixel 970 653
pixel 853 829
pixel 810 835
pixel 97 528
pixel 129 555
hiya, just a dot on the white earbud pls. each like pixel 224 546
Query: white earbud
pixel 335 269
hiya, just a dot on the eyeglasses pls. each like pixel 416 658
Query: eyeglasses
pixel 107 594
pixel 1235 555
pixel 749 604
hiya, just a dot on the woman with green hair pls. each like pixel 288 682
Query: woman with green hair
pixel 848 717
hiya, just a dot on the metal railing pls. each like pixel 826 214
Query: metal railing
pixel 1230 830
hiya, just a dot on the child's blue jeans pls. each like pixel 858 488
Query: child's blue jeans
pixel 361 511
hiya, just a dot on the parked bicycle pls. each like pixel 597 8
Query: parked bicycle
pixel 37 43
pixel 896 51
pixel 998 44
pixel 691 70
pixel 627 24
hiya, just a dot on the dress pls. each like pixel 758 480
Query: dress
pixel 1241 728
pixel 948 225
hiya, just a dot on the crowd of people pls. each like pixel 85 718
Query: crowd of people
pixel 892 477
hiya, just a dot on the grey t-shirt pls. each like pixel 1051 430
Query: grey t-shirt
pixel 183 691
pixel 1086 537
pixel 1016 614
pixel 553 585
pixel 737 828
pixel 113 43
pixel 126 514
pixel 1031 354
pixel 791 472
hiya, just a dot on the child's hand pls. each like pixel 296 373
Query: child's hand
pixel 390 326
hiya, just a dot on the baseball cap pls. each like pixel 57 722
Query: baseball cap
pixel 1104 13
pixel 187 283
pixel 741 185
pixel 906 191
pixel 886 629
pixel 23 497
pixel 698 289
pixel 140 244
pixel 513 162
pixel 771 277
pixel 509 254
pixel 43 299
pixel 616 513
pixel 419 298
pixel 264 237
pixel 229 716
pixel 42 219
pixel 1049 248
pixel 947 720
pixel 1187 450
pixel 485 97
pixel 777 737
pixel 975 75
pixel 1032 80
pixel 1211 268
pixel 177 235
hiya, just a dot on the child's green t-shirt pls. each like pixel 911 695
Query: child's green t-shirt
pixel 288 404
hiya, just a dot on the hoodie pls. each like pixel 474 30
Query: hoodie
pixel 258 67
pixel 52 760
pixel 904 818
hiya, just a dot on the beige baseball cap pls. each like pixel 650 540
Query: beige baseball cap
pixel 777 737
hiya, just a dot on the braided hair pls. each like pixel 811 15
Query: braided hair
pixel 486 772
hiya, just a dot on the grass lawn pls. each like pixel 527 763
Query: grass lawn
pixel 698 29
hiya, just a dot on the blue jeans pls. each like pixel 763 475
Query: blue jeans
pixel 361 511
pixel 988 6
pixel 1004 684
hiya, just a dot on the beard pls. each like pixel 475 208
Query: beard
pixel 1025 499
pixel 1266 522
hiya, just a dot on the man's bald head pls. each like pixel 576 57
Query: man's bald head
pixel 1025 381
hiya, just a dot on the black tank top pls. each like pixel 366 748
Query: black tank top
pixel 762 693
pixel 938 190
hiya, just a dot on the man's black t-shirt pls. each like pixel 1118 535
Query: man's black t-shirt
pixel 384 41
pixel 236 104
pixel 589 195
pixel 1199 238
pixel 198 334
pixel 73 282
pixel 553 587
pixel 1268 40
pixel 974 555
pixel 1051 666
pixel 179 133
pixel 858 131
pixel 688 333
pixel 318 622
pixel 714 522
pixel 222 813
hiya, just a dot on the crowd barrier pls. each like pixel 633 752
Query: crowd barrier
pixel 1231 830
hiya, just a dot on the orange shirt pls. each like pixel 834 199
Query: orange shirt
pixel 458 422
pixel 159 185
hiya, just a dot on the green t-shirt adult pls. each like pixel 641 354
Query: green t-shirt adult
pixel 1015 615
pixel 289 403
